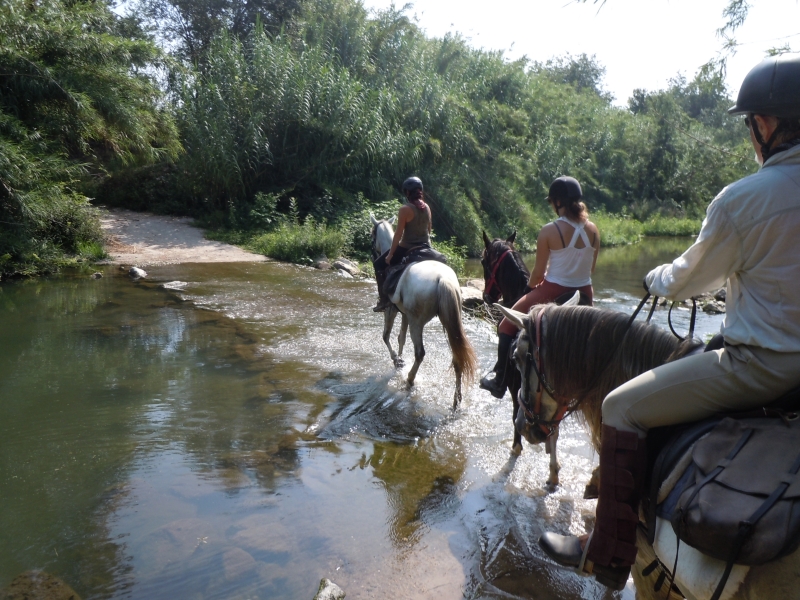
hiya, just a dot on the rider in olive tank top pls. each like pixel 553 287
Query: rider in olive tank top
pixel 413 231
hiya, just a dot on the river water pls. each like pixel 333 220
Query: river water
pixel 248 436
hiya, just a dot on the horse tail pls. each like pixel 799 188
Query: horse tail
pixel 465 360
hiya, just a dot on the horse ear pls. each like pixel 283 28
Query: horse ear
pixel 574 301
pixel 512 237
pixel 392 220
pixel 516 317
pixel 373 219
pixel 486 241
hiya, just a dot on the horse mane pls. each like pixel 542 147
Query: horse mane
pixel 579 341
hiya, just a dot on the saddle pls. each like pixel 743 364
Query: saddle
pixel 418 254
pixel 738 496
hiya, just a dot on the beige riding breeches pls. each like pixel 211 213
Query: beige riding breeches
pixel 696 387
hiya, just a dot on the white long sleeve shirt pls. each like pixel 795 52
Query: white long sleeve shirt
pixel 750 241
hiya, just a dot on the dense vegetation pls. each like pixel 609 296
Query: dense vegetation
pixel 282 123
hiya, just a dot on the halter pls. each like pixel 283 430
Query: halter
pixel 535 360
pixel 493 279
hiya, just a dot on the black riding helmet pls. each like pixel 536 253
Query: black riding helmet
pixel 411 184
pixel 566 188
pixel 772 88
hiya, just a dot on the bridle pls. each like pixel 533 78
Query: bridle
pixel 492 282
pixel 535 361
pixel 532 407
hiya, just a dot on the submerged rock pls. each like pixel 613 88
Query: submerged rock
pixel 329 591
pixel 38 585
pixel 137 273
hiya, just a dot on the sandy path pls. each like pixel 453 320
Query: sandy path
pixel 141 239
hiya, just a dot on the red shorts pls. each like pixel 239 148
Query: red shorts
pixel 543 293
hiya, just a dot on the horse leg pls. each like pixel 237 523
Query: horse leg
pixel 457 394
pixel 550 447
pixel 513 388
pixel 419 350
pixel 592 489
pixel 388 322
pixel 401 338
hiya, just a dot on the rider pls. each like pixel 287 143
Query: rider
pixel 413 231
pixel 566 254
pixel 750 240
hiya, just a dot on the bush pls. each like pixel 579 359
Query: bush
pixel 617 230
pixel 672 226
pixel 298 243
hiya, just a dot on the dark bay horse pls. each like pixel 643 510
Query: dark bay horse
pixel 506 276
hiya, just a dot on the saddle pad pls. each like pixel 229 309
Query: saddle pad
pixel 394 272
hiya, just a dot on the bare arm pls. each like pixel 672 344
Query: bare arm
pixel 542 256
pixel 404 215
pixel 595 244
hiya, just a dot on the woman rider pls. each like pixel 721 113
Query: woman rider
pixel 566 254
pixel 413 231
pixel 750 239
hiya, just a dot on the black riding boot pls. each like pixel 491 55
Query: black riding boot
pixel 383 299
pixel 496 382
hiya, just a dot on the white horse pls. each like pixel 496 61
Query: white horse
pixel 570 338
pixel 426 289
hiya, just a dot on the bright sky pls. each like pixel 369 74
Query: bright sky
pixel 641 43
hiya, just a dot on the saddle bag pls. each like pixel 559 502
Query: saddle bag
pixel 742 504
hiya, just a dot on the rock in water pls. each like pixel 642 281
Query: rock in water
pixel 41 586
pixel 342 264
pixel 471 297
pixel 97 275
pixel 174 285
pixel 329 591
pixel 137 273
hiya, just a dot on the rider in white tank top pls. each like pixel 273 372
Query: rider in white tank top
pixel 571 266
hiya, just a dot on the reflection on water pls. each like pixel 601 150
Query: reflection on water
pixel 249 436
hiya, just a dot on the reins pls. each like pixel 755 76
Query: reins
pixel 535 361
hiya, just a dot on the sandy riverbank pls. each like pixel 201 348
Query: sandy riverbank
pixel 142 239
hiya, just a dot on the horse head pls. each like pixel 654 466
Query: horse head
pixel 504 273
pixel 382 234
pixel 539 411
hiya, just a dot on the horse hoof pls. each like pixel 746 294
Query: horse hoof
pixel 591 492
pixel 551 486
pixel 516 449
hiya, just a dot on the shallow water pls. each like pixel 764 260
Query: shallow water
pixel 248 436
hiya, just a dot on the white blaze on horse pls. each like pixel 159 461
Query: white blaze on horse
pixel 426 289
pixel 582 354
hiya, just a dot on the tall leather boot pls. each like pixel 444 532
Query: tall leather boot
pixel 611 549
pixel 496 382
pixel 383 299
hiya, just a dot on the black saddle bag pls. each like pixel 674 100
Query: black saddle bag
pixel 743 502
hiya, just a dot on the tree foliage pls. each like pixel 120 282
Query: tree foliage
pixel 75 101
pixel 347 103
